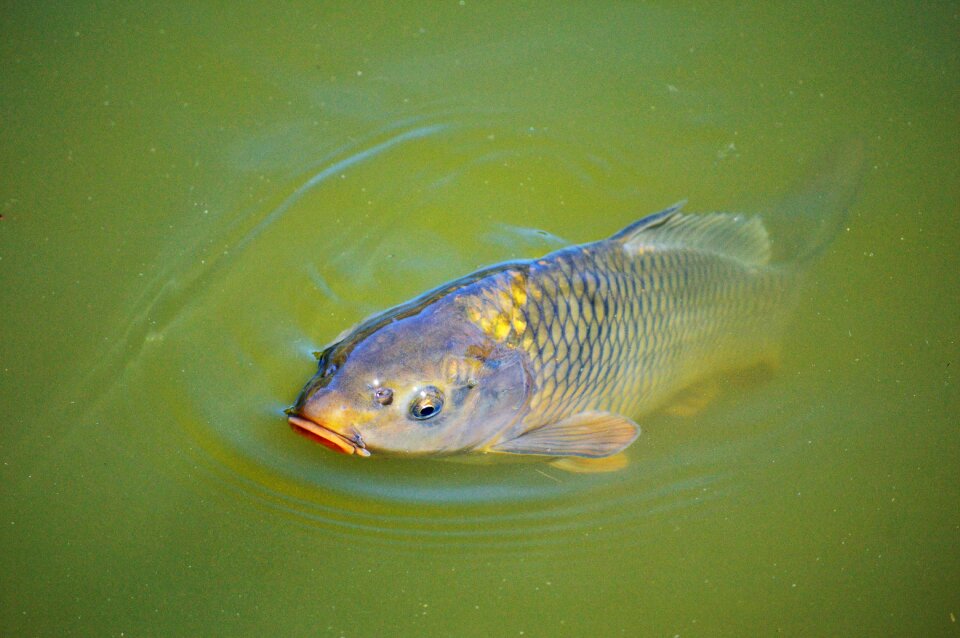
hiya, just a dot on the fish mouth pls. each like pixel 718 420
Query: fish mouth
pixel 325 436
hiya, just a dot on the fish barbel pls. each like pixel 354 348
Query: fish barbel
pixel 558 356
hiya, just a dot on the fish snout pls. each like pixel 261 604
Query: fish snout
pixel 327 437
pixel 316 416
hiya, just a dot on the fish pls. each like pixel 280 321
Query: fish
pixel 559 357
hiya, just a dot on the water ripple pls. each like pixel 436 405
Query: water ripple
pixel 214 352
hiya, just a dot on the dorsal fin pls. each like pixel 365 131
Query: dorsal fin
pixel 650 221
pixel 739 236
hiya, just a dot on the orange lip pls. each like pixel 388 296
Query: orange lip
pixel 328 437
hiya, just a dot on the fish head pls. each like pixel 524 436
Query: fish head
pixel 419 385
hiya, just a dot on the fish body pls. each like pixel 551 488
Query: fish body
pixel 556 356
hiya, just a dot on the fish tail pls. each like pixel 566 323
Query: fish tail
pixel 815 210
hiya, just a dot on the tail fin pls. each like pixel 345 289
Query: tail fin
pixel 815 211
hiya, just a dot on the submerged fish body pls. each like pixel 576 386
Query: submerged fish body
pixel 556 356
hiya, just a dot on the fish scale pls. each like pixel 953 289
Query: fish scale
pixel 619 332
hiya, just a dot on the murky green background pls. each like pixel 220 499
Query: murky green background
pixel 194 199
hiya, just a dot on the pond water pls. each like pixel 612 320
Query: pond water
pixel 194 200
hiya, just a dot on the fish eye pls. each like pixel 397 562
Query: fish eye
pixel 383 396
pixel 427 403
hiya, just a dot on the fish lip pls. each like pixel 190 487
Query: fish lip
pixel 339 442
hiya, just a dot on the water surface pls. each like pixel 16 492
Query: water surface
pixel 195 200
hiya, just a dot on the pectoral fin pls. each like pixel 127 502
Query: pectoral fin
pixel 587 434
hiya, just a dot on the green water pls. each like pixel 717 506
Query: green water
pixel 195 199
